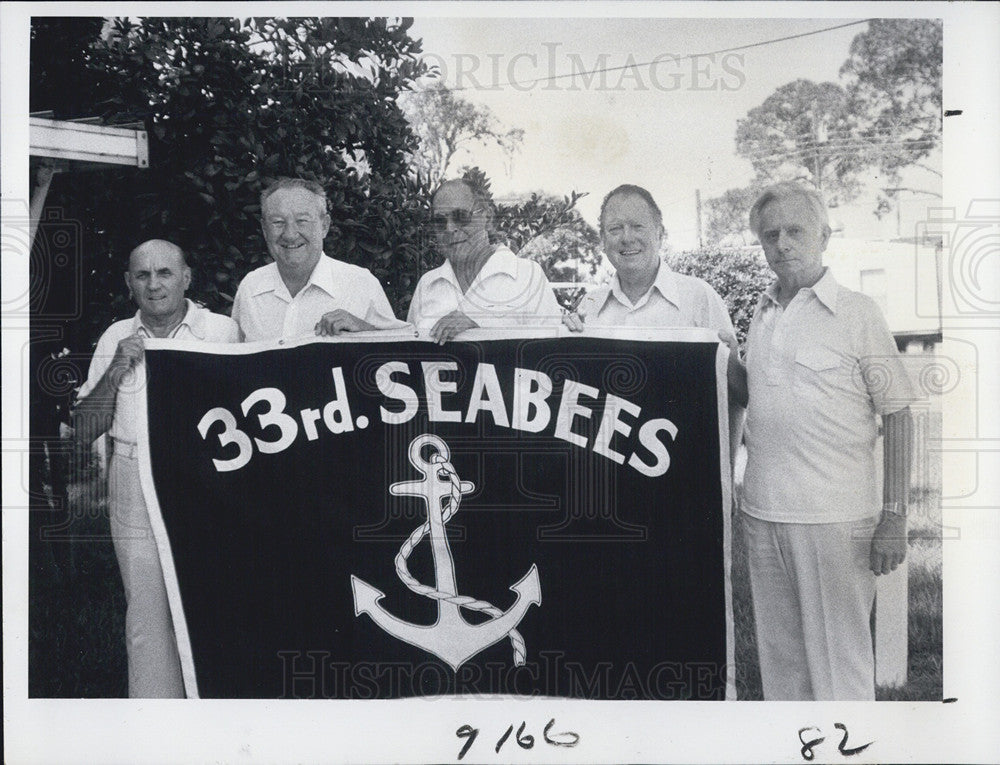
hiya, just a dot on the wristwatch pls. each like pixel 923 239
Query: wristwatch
pixel 895 508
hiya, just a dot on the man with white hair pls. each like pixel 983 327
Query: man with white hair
pixel 821 368
pixel 304 291
pixel 157 279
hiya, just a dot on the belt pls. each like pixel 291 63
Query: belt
pixel 126 449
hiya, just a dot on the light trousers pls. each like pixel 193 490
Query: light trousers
pixel 154 667
pixel 813 592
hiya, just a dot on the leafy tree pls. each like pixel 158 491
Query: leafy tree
pixel 804 131
pixel 566 247
pixel 62 79
pixel 445 124
pixel 570 252
pixel 738 274
pixel 728 221
pixel 229 104
pixel 894 86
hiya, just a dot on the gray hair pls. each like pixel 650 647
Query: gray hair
pixel 789 190
pixel 293 183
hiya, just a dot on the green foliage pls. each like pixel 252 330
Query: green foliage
pixel 230 104
pixel 739 275
pixel 887 118
pixel 894 86
pixel 446 123
pixel 804 131
pixel 728 217
pixel 64 81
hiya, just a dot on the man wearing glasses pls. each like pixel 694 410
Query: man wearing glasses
pixel 479 284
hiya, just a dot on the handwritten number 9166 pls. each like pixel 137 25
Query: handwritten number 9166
pixel 524 740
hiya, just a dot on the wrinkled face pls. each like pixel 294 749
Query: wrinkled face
pixel 631 236
pixel 158 278
pixel 295 224
pixel 793 240
pixel 459 226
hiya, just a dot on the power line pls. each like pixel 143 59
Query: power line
pixel 841 148
pixel 849 131
pixel 526 84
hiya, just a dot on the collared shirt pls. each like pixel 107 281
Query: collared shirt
pixel 265 310
pixel 198 324
pixel 673 300
pixel 508 291
pixel 819 373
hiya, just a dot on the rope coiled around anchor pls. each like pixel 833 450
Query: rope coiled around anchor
pixel 464 601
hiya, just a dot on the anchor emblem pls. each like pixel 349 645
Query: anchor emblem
pixel 451 638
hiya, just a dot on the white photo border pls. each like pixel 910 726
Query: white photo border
pixel 62 730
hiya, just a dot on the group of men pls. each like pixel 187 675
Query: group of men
pixel 821 367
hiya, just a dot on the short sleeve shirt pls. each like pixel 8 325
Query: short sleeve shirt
pixel 508 291
pixel 198 324
pixel 819 372
pixel 265 310
pixel 673 300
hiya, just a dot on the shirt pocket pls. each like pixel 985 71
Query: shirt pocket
pixel 817 370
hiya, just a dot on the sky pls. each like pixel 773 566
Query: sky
pixel 670 127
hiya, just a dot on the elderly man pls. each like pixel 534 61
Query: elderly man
pixel 303 290
pixel 821 367
pixel 157 279
pixel 644 292
pixel 479 284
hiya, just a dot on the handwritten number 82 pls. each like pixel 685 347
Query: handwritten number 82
pixel 807 744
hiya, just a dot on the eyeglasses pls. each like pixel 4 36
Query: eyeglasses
pixel 459 217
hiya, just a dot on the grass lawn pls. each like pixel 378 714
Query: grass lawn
pixel 76 611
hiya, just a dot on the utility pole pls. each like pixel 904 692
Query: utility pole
pixel 697 200
pixel 818 136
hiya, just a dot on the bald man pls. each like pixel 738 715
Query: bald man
pixel 157 278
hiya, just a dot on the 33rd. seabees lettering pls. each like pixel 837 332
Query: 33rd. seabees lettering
pixel 527 408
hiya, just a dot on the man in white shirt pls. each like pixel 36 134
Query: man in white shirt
pixel 479 284
pixel 304 291
pixel 157 279
pixel 644 292
pixel 822 367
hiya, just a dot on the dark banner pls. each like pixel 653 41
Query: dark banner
pixel 366 519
